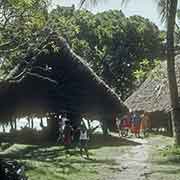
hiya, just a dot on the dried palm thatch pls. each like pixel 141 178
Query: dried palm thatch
pixel 53 78
pixel 153 94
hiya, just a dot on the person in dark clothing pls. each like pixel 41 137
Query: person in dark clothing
pixel 136 124
pixel 76 136
pixel 67 133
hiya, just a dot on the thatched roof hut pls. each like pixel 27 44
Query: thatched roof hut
pixel 153 94
pixel 53 78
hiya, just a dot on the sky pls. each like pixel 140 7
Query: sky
pixel 145 8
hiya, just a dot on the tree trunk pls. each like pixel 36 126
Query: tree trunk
pixel 28 119
pixel 15 124
pixel 53 127
pixel 41 123
pixel 32 122
pixel 170 127
pixel 104 126
pixel 171 69
pixel 11 125
pixel 3 127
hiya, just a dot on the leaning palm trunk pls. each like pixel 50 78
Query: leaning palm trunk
pixel 175 115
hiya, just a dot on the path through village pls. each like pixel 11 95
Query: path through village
pixel 143 162
pixel 111 158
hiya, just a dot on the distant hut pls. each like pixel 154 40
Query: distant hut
pixel 153 96
pixel 52 79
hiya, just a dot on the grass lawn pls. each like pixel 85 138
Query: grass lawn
pixel 49 162
pixel 110 158
pixel 166 160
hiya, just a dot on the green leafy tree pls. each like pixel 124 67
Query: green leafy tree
pixel 168 12
pixel 145 66
pixel 20 20
pixel 112 44
pixel 104 41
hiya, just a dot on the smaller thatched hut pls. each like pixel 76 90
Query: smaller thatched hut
pixel 153 96
pixel 52 79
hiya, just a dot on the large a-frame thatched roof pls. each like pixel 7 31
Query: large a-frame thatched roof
pixel 52 79
pixel 153 94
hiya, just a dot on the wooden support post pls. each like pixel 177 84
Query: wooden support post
pixel 170 127
pixel 52 125
pixel 32 122
pixel 104 126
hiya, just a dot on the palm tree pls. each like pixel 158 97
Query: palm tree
pixel 168 11
pixel 171 7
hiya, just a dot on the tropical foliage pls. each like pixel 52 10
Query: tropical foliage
pixel 168 11
pixel 113 45
pixel 20 20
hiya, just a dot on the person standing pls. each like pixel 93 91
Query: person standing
pixel 84 137
pixel 126 124
pixel 146 123
pixel 136 124
pixel 76 136
pixel 118 124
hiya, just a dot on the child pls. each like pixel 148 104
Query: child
pixel 84 140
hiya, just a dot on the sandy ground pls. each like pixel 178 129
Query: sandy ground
pixel 141 162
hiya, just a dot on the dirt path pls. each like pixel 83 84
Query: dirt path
pixel 134 164
pixel 137 162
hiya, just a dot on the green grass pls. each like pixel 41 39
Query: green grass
pixel 166 160
pixel 50 162
pixel 171 153
pixel 171 150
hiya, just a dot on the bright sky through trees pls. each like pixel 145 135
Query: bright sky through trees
pixel 145 8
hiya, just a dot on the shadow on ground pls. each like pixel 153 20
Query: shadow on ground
pixel 98 141
pixel 50 152
pixel 54 156
pixel 50 156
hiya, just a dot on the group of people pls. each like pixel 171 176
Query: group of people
pixel 73 136
pixel 133 122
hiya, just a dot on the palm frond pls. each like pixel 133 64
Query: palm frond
pixel 124 2
pixel 163 8
pixel 89 2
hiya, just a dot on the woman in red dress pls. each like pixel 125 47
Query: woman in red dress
pixel 136 124
pixel 126 124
